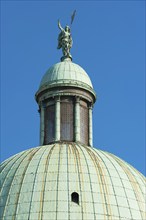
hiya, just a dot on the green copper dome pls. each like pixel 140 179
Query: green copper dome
pixel 70 181
pixel 66 73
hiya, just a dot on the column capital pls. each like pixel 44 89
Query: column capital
pixel 77 98
pixel 43 104
pixel 90 105
pixel 57 98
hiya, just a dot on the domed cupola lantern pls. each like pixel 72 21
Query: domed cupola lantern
pixel 65 98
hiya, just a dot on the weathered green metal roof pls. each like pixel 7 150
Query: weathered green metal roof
pixel 66 72
pixel 38 183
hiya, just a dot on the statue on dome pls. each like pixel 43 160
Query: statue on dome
pixel 65 39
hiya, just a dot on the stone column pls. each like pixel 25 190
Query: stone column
pixel 77 119
pixel 42 124
pixel 90 127
pixel 57 118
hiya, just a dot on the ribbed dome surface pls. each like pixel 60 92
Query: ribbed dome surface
pixel 66 72
pixel 38 183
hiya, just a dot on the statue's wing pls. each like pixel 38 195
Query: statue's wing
pixel 70 41
pixel 59 46
pixel 59 41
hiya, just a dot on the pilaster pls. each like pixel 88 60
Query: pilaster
pixel 77 119
pixel 57 118
pixel 90 127
pixel 42 124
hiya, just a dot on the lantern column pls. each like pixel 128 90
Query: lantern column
pixel 77 119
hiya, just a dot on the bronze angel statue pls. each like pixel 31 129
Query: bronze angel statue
pixel 65 39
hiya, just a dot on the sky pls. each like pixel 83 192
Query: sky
pixel 108 42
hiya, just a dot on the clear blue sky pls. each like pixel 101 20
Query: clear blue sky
pixel 109 43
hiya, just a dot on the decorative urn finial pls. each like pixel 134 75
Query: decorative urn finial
pixel 65 39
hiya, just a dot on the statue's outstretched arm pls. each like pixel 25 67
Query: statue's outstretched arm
pixel 59 25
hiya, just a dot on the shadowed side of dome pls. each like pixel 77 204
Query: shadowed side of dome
pixel 70 181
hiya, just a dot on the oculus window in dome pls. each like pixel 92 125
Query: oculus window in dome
pixel 66 178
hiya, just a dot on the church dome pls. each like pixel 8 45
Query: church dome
pixel 70 181
pixel 66 73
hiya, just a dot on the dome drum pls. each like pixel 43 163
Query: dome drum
pixel 66 118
